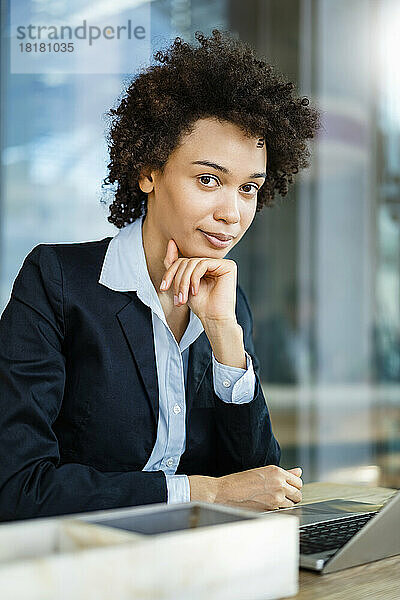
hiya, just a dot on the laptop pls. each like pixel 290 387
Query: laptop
pixel 338 534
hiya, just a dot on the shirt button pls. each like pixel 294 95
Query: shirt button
pixel 226 383
pixel 170 462
pixel 177 409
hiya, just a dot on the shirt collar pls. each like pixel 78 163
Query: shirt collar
pixel 124 267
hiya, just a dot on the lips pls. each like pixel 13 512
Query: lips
pixel 216 241
pixel 219 236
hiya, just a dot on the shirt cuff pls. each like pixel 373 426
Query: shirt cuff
pixel 178 488
pixel 233 384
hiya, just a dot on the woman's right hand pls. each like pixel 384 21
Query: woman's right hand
pixel 262 488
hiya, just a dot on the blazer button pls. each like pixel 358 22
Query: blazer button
pixel 170 462
pixel 226 383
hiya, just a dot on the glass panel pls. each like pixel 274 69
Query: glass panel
pixel 324 282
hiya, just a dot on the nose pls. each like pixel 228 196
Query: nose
pixel 228 208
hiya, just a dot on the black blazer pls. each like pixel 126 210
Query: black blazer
pixel 79 394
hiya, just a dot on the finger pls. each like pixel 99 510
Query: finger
pixel 293 480
pixel 170 273
pixel 203 266
pixel 286 503
pixel 293 493
pixel 297 471
pixel 172 253
pixel 183 277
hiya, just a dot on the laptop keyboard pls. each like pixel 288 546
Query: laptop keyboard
pixel 331 534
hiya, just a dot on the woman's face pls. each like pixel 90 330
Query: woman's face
pixel 191 197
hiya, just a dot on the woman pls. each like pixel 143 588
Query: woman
pixel 128 373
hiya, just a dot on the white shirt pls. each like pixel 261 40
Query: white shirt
pixel 125 269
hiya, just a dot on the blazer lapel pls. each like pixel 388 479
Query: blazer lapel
pixel 199 361
pixel 136 322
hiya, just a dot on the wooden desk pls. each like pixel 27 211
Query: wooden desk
pixel 379 580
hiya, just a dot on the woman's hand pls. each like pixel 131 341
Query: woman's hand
pixel 208 285
pixel 261 488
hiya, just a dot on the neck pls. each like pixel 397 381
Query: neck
pixel 154 249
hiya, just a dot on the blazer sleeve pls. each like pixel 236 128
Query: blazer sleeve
pixel 244 431
pixel 33 482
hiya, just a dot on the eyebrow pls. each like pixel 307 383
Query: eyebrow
pixel 207 163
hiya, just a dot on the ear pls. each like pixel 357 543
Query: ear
pixel 146 182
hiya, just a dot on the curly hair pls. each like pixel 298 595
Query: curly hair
pixel 221 78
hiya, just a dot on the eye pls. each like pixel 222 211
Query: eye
pixel 209 178
pixel 205 180
pixel 251 185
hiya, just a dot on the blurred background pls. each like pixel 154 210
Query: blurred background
pixel 321 269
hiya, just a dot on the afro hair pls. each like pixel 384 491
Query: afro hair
pixel 221 78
